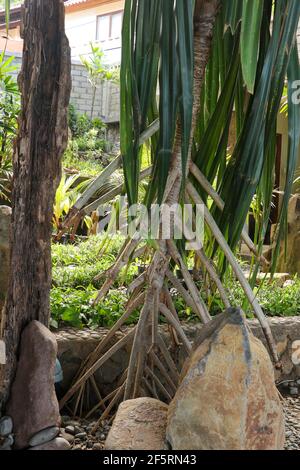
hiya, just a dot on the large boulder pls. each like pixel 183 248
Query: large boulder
pixel 5 221
pixel 33 404
pixel 140 424
pixel 227 399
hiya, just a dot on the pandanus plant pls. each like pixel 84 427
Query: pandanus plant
pixel 215 62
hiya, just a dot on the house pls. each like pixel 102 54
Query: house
pixel 87 21
pixel 96 21
pixel 100 21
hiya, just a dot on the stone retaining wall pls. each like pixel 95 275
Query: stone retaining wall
pixel 107 101
pixel 74 346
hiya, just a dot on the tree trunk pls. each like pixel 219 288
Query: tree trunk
pixel 145 339
pixel 45 86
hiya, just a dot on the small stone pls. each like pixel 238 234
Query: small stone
pixel 97 446
pixel 8 443
pixel 6 426
pixel 70 430
pixel 78 430
pixel 102 437
pixel 57 444
pixel 81 435
pixel 139 424
pixel 65 420
pixel 44 436
pixel 294 391
pixel 66 436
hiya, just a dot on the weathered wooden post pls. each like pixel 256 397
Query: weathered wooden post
pixel 42 138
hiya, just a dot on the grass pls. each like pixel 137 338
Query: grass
pixel 86 166
pixel 74 289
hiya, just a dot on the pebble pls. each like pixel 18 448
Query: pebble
pixel 292 417
pixel 6 426
pixel 70 430
pixel 7 443
pixel 57 444
pixel 68 437
pixel 97 446
pixel 81 435
pixel 46 435
pixel 294 391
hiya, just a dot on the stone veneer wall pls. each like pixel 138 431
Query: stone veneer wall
pixel 107 102
pixel 75 345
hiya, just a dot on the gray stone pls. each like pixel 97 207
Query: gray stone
pixel 57 444
pixel 6 426
pixel 46 435
pixel 81 435
pixel 68 437
pixel 7 443
pixel 70 430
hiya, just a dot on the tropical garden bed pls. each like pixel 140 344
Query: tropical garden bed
pixel 75 267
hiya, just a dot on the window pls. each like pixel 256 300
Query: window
pixel 109 26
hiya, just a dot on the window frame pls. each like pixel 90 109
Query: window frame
pixel 111 14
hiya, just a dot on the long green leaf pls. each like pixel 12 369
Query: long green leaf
pixel 250 39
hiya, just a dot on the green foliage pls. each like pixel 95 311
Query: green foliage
pixel 95 67
pixel 274 300
pixel 75 267
pixel 253 50
pixel 74 288
pixel 74 307
pixel 88 142
pixel 86 165
pixel 97 71
pixel 66 195
pixel 9 110
pixel 80 124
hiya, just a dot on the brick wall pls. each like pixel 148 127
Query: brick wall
pixel 107 101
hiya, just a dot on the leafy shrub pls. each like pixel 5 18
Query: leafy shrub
pixel 9 110
pixel 74 307
pixel 75 267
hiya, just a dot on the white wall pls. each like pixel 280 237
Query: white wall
pixel 81 30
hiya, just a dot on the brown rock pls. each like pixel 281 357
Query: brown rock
pixel 227 398
pixel 33 404
pixel 5 219
pixel 140 424
pixel 68 437
pixel 57 444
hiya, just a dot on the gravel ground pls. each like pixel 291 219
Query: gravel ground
pixel 78 432
pixel 292 419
